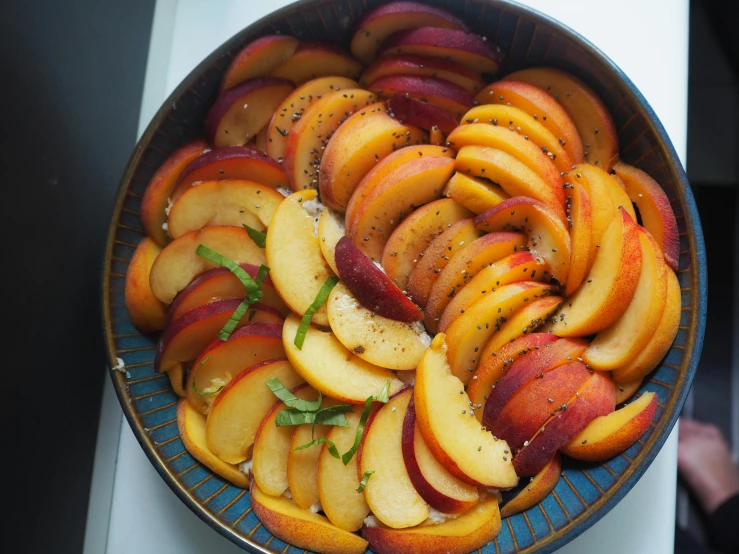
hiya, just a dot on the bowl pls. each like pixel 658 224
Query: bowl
pixel 586 492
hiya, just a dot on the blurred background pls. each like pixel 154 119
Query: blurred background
pixel 71 102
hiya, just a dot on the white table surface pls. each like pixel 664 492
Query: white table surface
pixel 133 511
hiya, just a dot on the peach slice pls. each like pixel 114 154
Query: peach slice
pixel 526 320
pixel 435 258
pixel 147 312
pixel 654 208
pixel 176 374
pixel 520 266
pixel 590 115
pixel 374 290
pixel 371 221
pixel 463 266
pixel 186 337
pixel 450 429
pixel 389 492
pixel 239 113
pixel 240 407
pixel 596 398
pixel 317 59
pixel 272 447
pixel 330 231
pixel 549 238
pixel 295 105
pixel 610 285
pixel 611 184
pixel 580 222
pixel 625 391
pixel 223 203
pixel 258 58
pixel 536 490
pixel 298 269
pixel 442 490
pixel 378 340
pixel 338 482
pixel 357 145
pixel 414 234
pixel 191 425
pixel 381 22
pixel 609 435
pixel 466 533
pixel 437 92
pixel 252 344
pixel 302 465
pixel 220 284
pixel 477 195
pixel 523 123
pixel 491 369
pixel 502 138
pixel 160 188
pixel 310 134
pixel 302 528
pixel 178 264
pixel 427 115
pixel 620 343
pixel 541 106
pixel 661 340
pixel 514 176
pixel 233 162
pixel 332 369
pixel 460 47
pixel 423 66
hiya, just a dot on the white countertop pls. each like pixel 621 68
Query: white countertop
pixel 133 511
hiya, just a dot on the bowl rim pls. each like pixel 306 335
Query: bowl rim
pixel 694 341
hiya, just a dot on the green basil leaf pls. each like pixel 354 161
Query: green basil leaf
pixel 234 320
pixel 259 238
pixel 383 396
pixel 346 458
pixel 287 418
pixel 321 297
pixel 365 478
pixel 330 445
pixel 331 417
pixel 292 401
pixel 194 379
pixel 213 256
pixel 261 276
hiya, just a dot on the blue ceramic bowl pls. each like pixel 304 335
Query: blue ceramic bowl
pixel 586 492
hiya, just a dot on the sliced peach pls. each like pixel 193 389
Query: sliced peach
pixel 381 22
pixel 437 92
pixel 610 285
pixel 240 407
pixel 541 106
pixel 298 269
pixel 477 195
pixel 178 264
pixel 147 312
pixel 338 482
pixel 620 343
pixel 272 447
pixel 661 340
pixel 191 425
pixel 310 134
pixel 378 340
pixel 422 113
pixel 317 59
pixel 549 238
pixel 414 234
pixel 449 428
pixel 261 140
pixel 423 66
pixel 442 490
pixel 523 123
pixel 372 220
pixel 389 491
pixel 252 344
pixel 591 117
pixel 176 374
pixel 258 58
pixel 330 231
pixel 239 113
pixel 602 209
pixel 514 176
pixel 611 184
pixel 655 210
pixel 609 435
pixel 466 533
pixel 303 528
pixel 302 465
pixel 332 369
pixel 223 203
pixel 435 258
pixel 536 490
pixel 353 150
pixel 625 391
pixel 295 105
pixel 160 188
pixel 580 222
pixel 458 46
pixel 463 266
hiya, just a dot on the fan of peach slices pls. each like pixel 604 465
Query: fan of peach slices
pixel 392 286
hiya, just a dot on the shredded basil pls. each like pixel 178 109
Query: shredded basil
pixel 330 445
pixel 195 376
pixel 365 478
pixel 292 401
pixel 259 238
pixel 321 297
